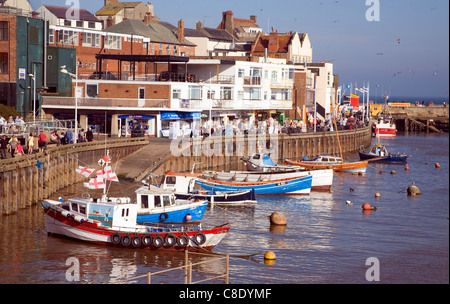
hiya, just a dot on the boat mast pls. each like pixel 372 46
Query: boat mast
pixel 335 126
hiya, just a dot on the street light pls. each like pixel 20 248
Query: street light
pixel 74 76
pixel 33 76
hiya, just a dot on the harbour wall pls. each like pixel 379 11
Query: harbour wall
pixel 26 180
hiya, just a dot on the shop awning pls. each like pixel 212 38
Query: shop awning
pixel 169 115
pixel 137 116
pixel 189 115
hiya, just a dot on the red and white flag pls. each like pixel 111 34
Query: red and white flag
pixel 109 174
pixel 95 183
pixel 84 171
pixel 104 160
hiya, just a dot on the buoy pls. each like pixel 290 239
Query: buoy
pixel 377 194
pixel 379 172
pixel 406 167
pixel 367 206
pixel 269 255
pixel 437 165
pixel 393 172
pixel 413 190
pixel 278 218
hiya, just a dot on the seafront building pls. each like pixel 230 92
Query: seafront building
pixel 126 68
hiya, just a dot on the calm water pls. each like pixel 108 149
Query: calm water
pixel 325 240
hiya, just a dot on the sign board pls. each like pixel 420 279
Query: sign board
pixel 22 74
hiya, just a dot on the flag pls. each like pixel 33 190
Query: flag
pixel 109 174
pixel 84 171
pixel 104 160
pixel 95 183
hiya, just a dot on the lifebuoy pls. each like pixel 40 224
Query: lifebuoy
pixel 163 216
pixel 199 238
pixel 183 241
pixel 146 240
pixel 115 238
pixel 136 241
pixel 158 241
pixel 170 240
pixel 125 240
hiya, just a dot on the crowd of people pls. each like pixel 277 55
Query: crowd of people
pixel 15 146
pixel 11 124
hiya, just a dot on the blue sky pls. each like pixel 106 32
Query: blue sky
pixel 338 29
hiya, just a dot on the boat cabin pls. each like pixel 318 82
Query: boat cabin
pixel 117 212
pixel 378 150
pixel 179 182
pixel 328 159
pixel 150 200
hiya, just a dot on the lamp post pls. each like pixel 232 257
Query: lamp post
pixel 74 76
pixel 33 76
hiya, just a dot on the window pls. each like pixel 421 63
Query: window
pixel 68 22
pixel 226 93
pixel 144 201
pixel 91 40
pixel 68 37
pixel 157 201
pixel 166 200
pixel 82 209
pixel 255 94
pixel 195 92
pixel 160 49
pixel 153 48
pixel 79 23
pixel 91 90
pixel 51 36
pixel 33 34
pixel 286 94
pixel 91 24
pixel 74 207
pixel 3 30
pixel 176 94
pixel 240 73
pixel 3 63
pixel 141 93
pixel 113 42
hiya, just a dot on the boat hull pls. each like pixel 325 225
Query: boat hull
pixel 388 159
pixel 294 186
pixel 354 167
pixel 322 179
pixel 231 198
pixel 385 132
pixel 93 232
pixel 183 214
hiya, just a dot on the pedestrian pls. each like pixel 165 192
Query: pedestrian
pixel 19 149
pixel 3 147
pixel 62 138
pixel 13 142
pixel 54 138
pixel 69 137
pixel 42 142
pixel 89 135
pixel 81 136
pixel 30 143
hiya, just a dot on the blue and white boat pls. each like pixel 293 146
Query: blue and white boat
pixel 285 186
pixel 163 207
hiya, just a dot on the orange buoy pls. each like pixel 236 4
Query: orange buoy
pixel 377 194
pixel 437 165
pixel 406 167
pixel 367 206
pixel 270 255
pixel 379 172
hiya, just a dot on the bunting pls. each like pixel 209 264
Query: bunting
pixel 84 171
pixel 95 183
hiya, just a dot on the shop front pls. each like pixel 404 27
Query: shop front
pixel 136 126
pixel 176 124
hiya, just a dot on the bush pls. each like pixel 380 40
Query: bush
pixel 7 111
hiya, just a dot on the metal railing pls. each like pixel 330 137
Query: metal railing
pixel 50 101
pixel 187 267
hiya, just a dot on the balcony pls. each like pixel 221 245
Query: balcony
pixel 104 103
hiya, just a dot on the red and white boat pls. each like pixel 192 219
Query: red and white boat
pixel 385 127
pixel 113 222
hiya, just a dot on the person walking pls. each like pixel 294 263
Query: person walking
pixel 30 143
pixel 13 142
pixel 3 147
pixel 19 149
pixel 89 135
pixel 42 142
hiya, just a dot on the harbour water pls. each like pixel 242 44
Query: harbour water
pixel 325 240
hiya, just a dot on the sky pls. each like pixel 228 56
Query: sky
pixel 410 39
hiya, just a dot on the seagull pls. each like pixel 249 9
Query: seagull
pixel 396 74
pixel 380 54
pixel 411 71
pixel 349 203
pixel 398 40
pixel 435 73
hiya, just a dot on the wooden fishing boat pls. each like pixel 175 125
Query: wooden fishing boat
pixel 285 186
pixel 329 162
pixel 322 180
pixel 114 223
pixel 183 184
pixel 379 153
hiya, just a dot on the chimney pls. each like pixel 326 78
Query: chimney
pixel 253 17
pixel 181 30
pixel 199 25
pixel 274 42
pixel 148 17
pixel 228 21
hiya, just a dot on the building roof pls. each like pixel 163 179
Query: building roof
pixel 155 30
pixel 283 42
pixel 113 8
pixel 61 12
pixel 217 34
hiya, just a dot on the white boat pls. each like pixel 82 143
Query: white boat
pixel 113 222
pixel 385 127
pixel 322 180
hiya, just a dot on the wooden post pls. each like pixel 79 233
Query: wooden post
pixel 149 277
pixel 227 268
pixel 186 260
pixel 190 273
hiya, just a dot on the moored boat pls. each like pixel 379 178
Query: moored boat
pixel 114 223
pixel 286 186
pixel 379 153
pixel 385 127
pixel 330 162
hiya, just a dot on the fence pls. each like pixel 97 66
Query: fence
pixel 188 269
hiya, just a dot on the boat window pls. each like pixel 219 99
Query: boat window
pixel 170 180
pixel 166 200
pixel 74 207
pixel 256 156
pixel 324 158
pixel 82 209
pixel 172 201
pixel 144 201
pixel 157 201
pixel 125 212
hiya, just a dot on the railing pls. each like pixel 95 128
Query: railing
pixel 50 101
pixel 217 104
pixel 188 270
